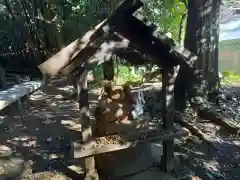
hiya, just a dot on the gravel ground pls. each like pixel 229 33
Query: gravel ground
pixel 200 160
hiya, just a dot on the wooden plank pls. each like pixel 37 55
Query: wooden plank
pixel 101 53
pixel 57 62
pixel 13 94
pixel 124 141
pixel 63 58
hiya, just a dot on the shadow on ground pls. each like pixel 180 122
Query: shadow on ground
pixel 43 135
pixel 40 140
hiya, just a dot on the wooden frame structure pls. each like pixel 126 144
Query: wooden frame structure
pixel 128 35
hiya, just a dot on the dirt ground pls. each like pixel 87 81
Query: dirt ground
pixel 38 141
pixel 41 137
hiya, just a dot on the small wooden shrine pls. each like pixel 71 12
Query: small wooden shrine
pixel 128 35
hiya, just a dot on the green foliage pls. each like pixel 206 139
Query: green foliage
pixel 230 78
pixel 125 74
pixel 166 14
pixel 98 73
pixel 64 21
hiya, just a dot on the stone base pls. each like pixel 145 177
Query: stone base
pixel 121 163
pixel 137 164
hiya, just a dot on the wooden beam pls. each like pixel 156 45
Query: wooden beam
pixel 66 56
pixel 3 81
pixel 57 62
pixel 116 44
pixel 177 51
pixel 108 69
pixel 100 54
pixel 161 48
pixel 124 141
pixel 133 56
pixel 141 37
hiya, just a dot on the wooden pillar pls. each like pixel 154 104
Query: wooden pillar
pixel 118 68
pixel 82 96
pixel 168 76
pixel 3 81
pixel 108 69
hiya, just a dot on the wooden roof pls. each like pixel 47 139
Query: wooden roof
pixel 125 33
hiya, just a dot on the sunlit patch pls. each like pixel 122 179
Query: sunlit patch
pixel 38 95
pixel 59 96
pixel 1 170
pixel 53 104
pixel 52 156
pixel 199 153
pixel 237 142
pixel 5 150
pixel 66 88
pixel 77 169
pixel 25 141
pixel 211 165
pixel 71 125
pixel 49 121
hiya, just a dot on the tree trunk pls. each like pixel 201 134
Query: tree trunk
pixel 202 39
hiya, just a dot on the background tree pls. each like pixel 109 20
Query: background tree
pixel 202 34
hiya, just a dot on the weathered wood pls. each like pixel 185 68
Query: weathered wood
pixel 82 92
pixel 141 37
pixel 168 76
pixel 220 120
pixel 20 101
pixel 166 53
pixel 162 49
pixel 124 141
pixel 108 69
pixel 197 132
pixel 133 56
pixel 56 63
pixel 119 46
pixel 3 82
pixel 66 56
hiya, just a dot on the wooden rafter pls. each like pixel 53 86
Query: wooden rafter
pixel 67 55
